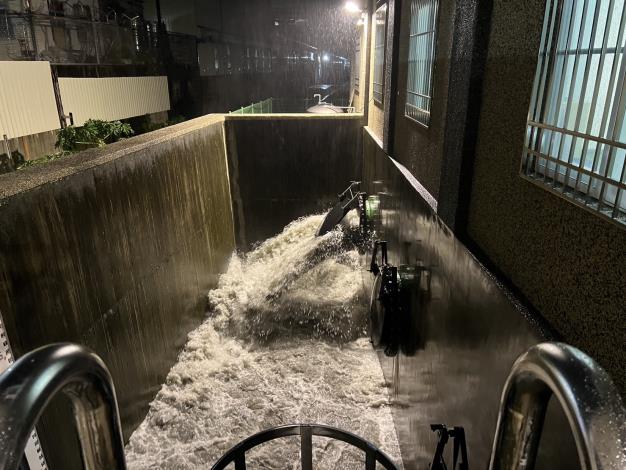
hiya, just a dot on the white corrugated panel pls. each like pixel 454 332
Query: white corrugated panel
pixel 27 103
pixel 113 98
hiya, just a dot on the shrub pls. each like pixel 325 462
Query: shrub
pixel 44 159
pixel 94 133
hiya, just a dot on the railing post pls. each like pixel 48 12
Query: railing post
pixel 32 381
pixel 306 447
pixel 589 399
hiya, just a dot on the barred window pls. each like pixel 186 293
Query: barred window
pixel 576 136
pixel 380 27
pixel 422 42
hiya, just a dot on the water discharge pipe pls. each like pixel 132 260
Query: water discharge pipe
pixel 31 382
pixel 350 198
pixel 589 398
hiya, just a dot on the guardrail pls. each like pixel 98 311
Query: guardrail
pixel 32 381
pixel 591 403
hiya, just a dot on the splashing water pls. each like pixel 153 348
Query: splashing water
pixel 283 344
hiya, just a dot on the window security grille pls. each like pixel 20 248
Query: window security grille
pixel 576 136
pixel 422 40
pixel 379 53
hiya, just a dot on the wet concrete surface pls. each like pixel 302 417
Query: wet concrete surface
pixel 115 249
pixel 283 167
pixel 464 333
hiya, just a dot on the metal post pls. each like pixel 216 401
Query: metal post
pixel 8 151
pixel 57 96
pixel 31 25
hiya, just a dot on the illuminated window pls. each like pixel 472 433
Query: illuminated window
pixel 422 42
pixel 576 136
pixel 356 66
pixel 379 53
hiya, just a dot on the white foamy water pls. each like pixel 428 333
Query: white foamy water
pixel 283 344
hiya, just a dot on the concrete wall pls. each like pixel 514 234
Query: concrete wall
pixel 286 166
pixel 116 248
pixel 463 331
pixel 569 263
pixel 418 147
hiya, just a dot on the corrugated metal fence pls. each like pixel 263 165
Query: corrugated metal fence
pixel 113 98
pixel 28 105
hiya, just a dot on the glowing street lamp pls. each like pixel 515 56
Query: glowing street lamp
pixel 352 7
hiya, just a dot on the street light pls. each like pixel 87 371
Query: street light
pixel 352 7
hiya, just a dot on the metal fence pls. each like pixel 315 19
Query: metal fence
pixel 262 107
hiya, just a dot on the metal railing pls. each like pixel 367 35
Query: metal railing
pixel 262 107
pixel 31 382
pixel 237 454
pixel 591 403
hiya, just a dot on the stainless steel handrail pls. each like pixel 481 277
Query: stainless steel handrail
pixel 591 403
pixel 237 454
pixel 31 382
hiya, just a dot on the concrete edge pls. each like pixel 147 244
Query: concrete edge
pixel 292 117
pixel 14 183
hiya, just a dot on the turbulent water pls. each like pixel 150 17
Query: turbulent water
pixel 283 344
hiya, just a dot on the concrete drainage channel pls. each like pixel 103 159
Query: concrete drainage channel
pixel 293 302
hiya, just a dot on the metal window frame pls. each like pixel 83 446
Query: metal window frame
pixel 380 101
pixel 413 112
pixel 589 181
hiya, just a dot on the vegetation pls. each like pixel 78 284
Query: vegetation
pixel 44 159
pixel 95 133
pixel 144 124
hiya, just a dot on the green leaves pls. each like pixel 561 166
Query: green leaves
pixel 94 133
pixel 45 159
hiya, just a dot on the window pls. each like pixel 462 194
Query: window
pixel 247 60
pixel 380 26
pixel 576 136
pixel 421 60
pixel 216 58
pixel 356 66
pixel 6 28
pixel 229 65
